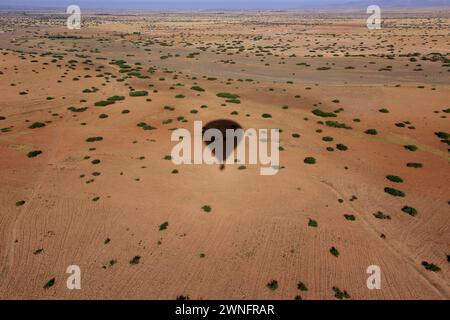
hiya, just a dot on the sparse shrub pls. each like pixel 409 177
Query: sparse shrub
pixel 273 285
pixel 49 283
pixel 163 226
pixel 349 217
pixel 142 93
pixel 20 203
pixel 411 147
pixel 334 252
pixel 394 192
pixel 312 223
pixel 206 208
pixel 410 210
pixel 266 115
pixel 37 125
pixel 135 260
pixel 94 139
pixel 431 266
pixel 414 165
pixel 309 160
pixel 395 179
pixel 34 153
pixel 339 294
pixel 381 215
pixel 302 287
pixel 341 147
pixel 323 114
pixel 372 132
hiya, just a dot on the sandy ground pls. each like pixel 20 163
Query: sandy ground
pixel 100 216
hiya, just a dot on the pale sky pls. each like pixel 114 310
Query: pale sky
pixel 217 4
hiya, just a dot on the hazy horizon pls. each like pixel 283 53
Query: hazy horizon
pixel 218 4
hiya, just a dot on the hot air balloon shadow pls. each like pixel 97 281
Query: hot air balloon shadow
pixel 222 125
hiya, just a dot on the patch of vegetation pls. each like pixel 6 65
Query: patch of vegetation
pixel 94 139
pixel 197 88
pixel 336 124
pixel 75 109
pixel 394 192
pixel 411 147
pixel 339 294
pixel 20 203
pixel 431 266
pixel 384 110
pixel 163 226
pixel 273 285
pixel 410 210
pixel 327 139
pixel 34 153
pixel 302 287
pixel 309 160
pixel 142 93
pixel 312 223
pixel 372 132
pixel 135 260
pixel 227 95
pixel 341 147
pixel 334 252
pixel 395 179
pixel 266 115
pixel 49 283
pixel 414 165
pixel 323 114
pixel 349 217
pixel 36 125
pixel 381 215
pixel 206 208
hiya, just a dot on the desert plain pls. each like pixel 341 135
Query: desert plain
pixel 86 118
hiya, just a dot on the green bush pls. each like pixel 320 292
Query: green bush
pixel 94 139
pixel 206 208
pixel 372 132
pixel 163 226
pixel 312 223
pixel 227 95
pixel 336 124
pixel 142 93
pixel 431 266
pixel 414 165
pixel 341 147
pixel 334 252
pixel 273 285
pixel 349 217
pixel 103 103
pixel 309 160
pixel 395 179
pixel 37 125
pixel 394 192
pixel 266 115
pixel 34 153
pixel 197 88
pixel 339 294
pixel 381 215
pixel 135 260
pixel 411 147
pixel 327 139
pixel 302 287
pixel 323 114
pixel 409 210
